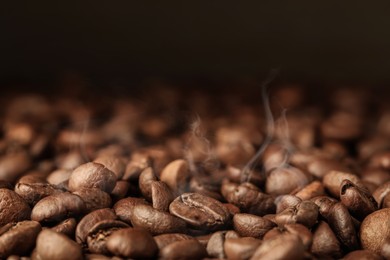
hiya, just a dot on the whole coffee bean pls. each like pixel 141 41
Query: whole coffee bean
pixel 14 207
pixel 91 219
pixel 138 162
pixel 285 180
pixel 276 231
pixel 342 225
pixel 18 238
pixel 302 232
pixel 319 167
pixel 375 229
pixel 215 245
pixel 305 213
pixel 286 246
pixel 241 248
pixel 358 201
pixel 92 175
pixel 33 177
pixel 70 160
pixel 333 179
pixel 199 211
pixel 58 176
pixel 231 208
pixel 377 177
pixel 66 227
pixel 124 208
pixel 235 174
pixel 324 204
pixel 248 198
pixel 57 207
pixel 325 242
pixel 205 186
pixel 311 190
pixel 155 221
pixel 120 190
pixel 98 235
pixel 145 180
pixel 113 163
pixel 285 201
pixel 176 175
pixel 34 192
pixel 13 165
pixel 184 249
pixel 132 243
pixel 161 195
pixel 166 239
pixel 248 225
pixel 381 192
pixel 53 245
pixel 362 255
pixel 380 160
pixel 94 198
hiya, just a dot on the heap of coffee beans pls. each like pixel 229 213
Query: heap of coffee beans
pixel 180 174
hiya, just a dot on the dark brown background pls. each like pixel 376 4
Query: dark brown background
pixel 105 40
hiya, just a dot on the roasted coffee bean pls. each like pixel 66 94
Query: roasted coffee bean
pixel 161 195
pixel 57 207
pixel 285 201
pixel 381 192
pixel 380 160
pixel 34 192
pixel 92 175
pixel 88 221
pixel 325 242
pixel 6 185
pixel 248 198
pixel 176 175
pixel 375 229
pixel 120 190
pixel 241 248
pixel 18 238
pixel 342 225
pixel 248 225
pixel 386 201
pixel 166 239
pixel 14 208
pixel 58 176
pixel 33 177
pixel 324 204
pixel 286 246
pixel 362 255
pixel 215 245
pixel 184 249
pixel 138 162
pixel 276 231
pixel 98 235
pixel 94 199
pixel 145 180
pixel 235 174
pixel 132 243
pixel 231 208
pixel 302 232
pixel 53 245
pixel 358 201
pixel 205 186
pixel 66 227
pixel 377 177
pixel 311 190
pixel 385 251
pixel 13 165
pixel 333 179
pixel 155 221
pixel 114 164
pixel 199 211
pixel 285 180
pixel 124 208
pixel 319 167
pixel 305 213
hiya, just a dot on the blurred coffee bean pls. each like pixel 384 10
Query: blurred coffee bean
pixel 333 179
pixel 305 213
pixel 285 180
pixel 184 249
pixel 319 167
pixel 311 190
pixel 13 165
pixel 34 192
pixel 285 201
pixel 215 245
pixel 59 176
pixel 166 239
pixel 241 248
pixel 324 204
pixel 302 232
pixel 363 255
pixel 381 192
pixel 325 242
pixel 145 180
pixel 14 207
pixel 385 251
pixel 66 227
pixel 380 161
pixel 161 195
pixel 248 225
pixel 114 164
pixel 137 163
pixel 176 176
pixel 375 229
pixel 377 177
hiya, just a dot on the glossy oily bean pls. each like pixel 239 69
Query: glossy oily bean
pixel 325 242
pixel 124 207
pixel 184 249
pixel 94 199
pixel 166 239
pixel 16 208
pixel 66 227
pixel 248 225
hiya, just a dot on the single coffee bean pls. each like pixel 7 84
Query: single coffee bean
pixel 333 179
pixel 166 239
pixel 215 245
pixel 324 204
pixel 58 176
pixel 155 221
pixel 161 195
pixel 302 232
pixel 34 192
pixel 145 180
pixel 241 248
pixel 319 167
pixel 205 186
pixel 362 255
pixel 91 219
pixel 113 163
pixel 57 207
pixel 305 213
pixel 94 198
pixel 53 245
pixel 199 211
pixel 184 249
pixel 381 192
pixel 98 235
pixel 66 227
pixel 377 177
pixel 120 190
pixel 18 238
pixel 248 225
pixel 138 162
pixel 285 201
pixel 276 231
pixel 237 175
pixel 92 175
pixel 286 246
pixel 342 225
pixel 70 160
pixel 14 208
pixel 358 201
pixel 285 180
pixel 33 177
pixel 311 190
pixel 375 229
pixel 13 165
pixel 380 160
pixel 124 208
pixel 176 175
pixel 325 242
pixel 232 209
pixel 132 243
